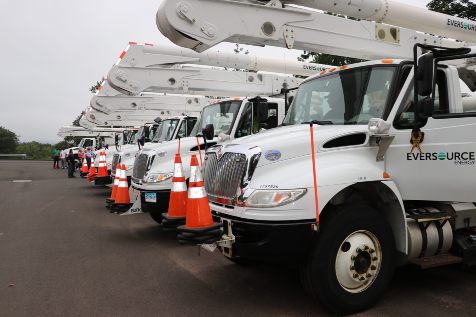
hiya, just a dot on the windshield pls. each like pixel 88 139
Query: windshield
pixel 131 137
pixel 348 97
pixel 81 143
pixel 120 140
pixel 138 135
pixel 166 129
pixel 221 115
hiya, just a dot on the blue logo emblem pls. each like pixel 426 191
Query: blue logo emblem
pixel 162 154
pixel 272 155
pixel 127 154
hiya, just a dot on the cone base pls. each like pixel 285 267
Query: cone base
pixel 172 223
pixel 119 208
pixel 102 180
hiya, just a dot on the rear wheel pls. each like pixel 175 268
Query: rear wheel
pixel 350 263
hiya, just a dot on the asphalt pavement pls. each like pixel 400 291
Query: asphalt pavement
pixel 63 254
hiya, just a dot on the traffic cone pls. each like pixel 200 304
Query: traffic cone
pixel 56 164
pixel 122 202
pixel 199 226
pixel 84 168
pixel 109 201
pixel 102 178
pixel 92 170
pixel 178 199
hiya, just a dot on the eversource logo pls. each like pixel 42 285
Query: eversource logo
pixel 313 67
pixel 458 158
pixel 461 25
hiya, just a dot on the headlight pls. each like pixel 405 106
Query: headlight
pixel 274 198
pixel 159 177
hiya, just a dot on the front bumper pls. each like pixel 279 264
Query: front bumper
pixel 274 241
pixel 162 201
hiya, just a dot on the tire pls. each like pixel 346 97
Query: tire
pixel 326 273
pixel 156 216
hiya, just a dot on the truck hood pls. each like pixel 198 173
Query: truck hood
pixel 295 141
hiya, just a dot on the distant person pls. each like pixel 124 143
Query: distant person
pixel 80 157
pixel 70 160
pixel 63 158
pixel 56 156
pixel 88 157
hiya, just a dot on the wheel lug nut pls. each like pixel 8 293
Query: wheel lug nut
pixel 365 247
pixel 352 267
pixel 355 275
pixel 372 251
pixel 373 267
pixel 358 250
pixel 374 258
pixel 361 278
pixel 352 257
pixel 369 274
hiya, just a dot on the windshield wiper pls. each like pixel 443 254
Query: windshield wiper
pixel 318 122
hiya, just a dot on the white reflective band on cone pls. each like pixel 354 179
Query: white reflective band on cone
pixel 196 192
pixel 178 170
pixel 123 174
pixel 179 187
pixel 116 181
pixel 195 174
pixel 122 184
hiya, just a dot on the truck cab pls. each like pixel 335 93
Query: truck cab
pixel 227 119
pixel 380 199
pixel 164 131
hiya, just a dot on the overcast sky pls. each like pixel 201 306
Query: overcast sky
pixel 52 51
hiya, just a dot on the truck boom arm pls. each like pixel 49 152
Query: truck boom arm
pixel 290 27
pixel 131 75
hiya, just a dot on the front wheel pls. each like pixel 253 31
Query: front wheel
pixel 350 263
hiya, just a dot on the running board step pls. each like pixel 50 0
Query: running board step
pixel 437 260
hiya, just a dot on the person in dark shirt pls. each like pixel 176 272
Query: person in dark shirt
pixel 70 160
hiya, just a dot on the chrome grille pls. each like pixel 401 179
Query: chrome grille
pixel 140 166
pixel 222 177
pixel 115 160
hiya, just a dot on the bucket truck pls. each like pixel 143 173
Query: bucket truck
pixel 151 68
pixel 107 133
pixel 374 164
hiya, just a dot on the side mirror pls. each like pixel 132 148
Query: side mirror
pixel 262 112
pixel 116 139
pixel 290 101
pixel 425 74
pixel 208 132
pixel 107 146
pixel 142 140
pixel 426 107
pixel 146 130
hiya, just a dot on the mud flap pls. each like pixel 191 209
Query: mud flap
pixel 136 208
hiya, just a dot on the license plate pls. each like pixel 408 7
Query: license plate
pixel 151 197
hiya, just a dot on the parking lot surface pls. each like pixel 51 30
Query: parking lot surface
pixel 65 255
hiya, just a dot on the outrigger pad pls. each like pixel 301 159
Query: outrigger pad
pixel 205 235
pixel 119 208
pixel 216 225
pixel 100 181
pixel 171 223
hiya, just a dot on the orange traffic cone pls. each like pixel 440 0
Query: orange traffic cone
pixel 102 170
pixel 92 170
pixel 109 201
pixel 84 169
pixel 102 178
pixel 199 227
pixel 178 199
pixel 122 201
pixel 56 164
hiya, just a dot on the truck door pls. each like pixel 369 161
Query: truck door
pixel 445 168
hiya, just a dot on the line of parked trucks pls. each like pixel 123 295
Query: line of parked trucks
pixel 389 178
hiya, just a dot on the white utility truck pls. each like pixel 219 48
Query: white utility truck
pixel 390 175
pixel 169 129
pixel 97 133
pixel 148 68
